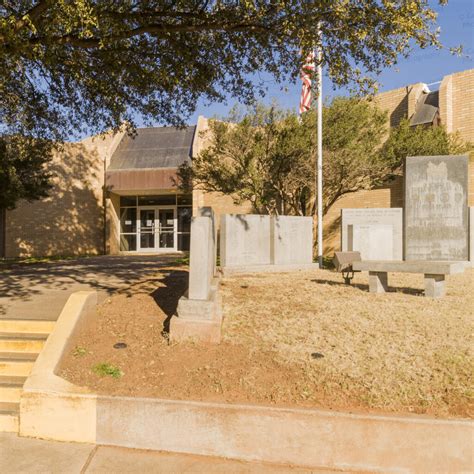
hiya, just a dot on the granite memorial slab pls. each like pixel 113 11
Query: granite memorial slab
pixel 291 240
pixel 373 241
pixel 375 217
pixel 436 212
pixel 245 240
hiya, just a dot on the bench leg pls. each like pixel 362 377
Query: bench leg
pixel 378 282
pixel 435 285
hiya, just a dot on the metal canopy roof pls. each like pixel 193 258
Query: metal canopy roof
pixel 155 147
pixel 426 109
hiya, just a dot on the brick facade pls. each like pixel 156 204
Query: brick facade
pixel 73 221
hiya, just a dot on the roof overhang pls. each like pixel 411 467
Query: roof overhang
pixel 141 180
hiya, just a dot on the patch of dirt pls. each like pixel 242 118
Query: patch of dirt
pixel 294 339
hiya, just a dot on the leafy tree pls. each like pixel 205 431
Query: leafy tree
pixel 22 169
pixel 353 131
pixel 405 140
pixel 76 66
pixel 66 65
pixel 262 156
pixel 267 156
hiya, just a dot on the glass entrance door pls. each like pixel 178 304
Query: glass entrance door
pixel 166 230
pixel 147 240
pixel 157 229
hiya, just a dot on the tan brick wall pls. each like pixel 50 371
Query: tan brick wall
pixel 113 224
pixel 463 104
pixel 70 220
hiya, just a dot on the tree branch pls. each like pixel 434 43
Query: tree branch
pixel 33 14
pixel 152 29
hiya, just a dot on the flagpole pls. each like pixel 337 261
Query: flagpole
pixel 319 179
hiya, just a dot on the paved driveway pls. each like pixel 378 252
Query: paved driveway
pixel 39 291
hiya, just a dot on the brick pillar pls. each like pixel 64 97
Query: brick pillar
pixel 446 102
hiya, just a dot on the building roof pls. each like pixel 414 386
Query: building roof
pixel 154 147
pixel 426 109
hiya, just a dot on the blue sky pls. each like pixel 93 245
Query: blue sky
pixel 457 27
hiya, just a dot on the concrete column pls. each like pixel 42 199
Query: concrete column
pixel 435 286
pixel 378 282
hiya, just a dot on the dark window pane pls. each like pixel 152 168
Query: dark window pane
pixel 128 201
pixel 164 199
pixel 184 219
pixel 183 241
pixel 128 220
pixel 185 199
pixel 166 240
pixel 128 243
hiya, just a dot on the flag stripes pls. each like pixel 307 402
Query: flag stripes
pixel 306 72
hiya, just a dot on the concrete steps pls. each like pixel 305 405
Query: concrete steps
pixel 9 417
pixel 26 327
pixel 21 342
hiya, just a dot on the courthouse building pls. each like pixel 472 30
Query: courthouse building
pixel 118 195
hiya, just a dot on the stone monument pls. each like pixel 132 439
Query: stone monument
pixel 245 240
pixel 367 231
pixel 291 240
pixel 436 212
pixel 373 241
pixel 260 243
pixel 199 314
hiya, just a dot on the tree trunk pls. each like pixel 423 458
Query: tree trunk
pixel 3 228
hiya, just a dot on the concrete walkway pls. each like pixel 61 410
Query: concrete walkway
pixel 40 290
pixel 27 455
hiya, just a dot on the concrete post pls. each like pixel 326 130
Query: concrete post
pixel 435 285
pixel 201 258
pixel 378 282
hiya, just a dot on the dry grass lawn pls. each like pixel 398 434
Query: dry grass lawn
pixel 398 351
pixel 294 339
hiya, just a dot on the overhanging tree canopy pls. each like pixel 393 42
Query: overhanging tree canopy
pixel 71 65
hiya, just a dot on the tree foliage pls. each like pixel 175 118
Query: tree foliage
pixel 267 156
pixel 69 65
pixel 22 169
pixel 84 66
pixel 262 156
pixel 406 141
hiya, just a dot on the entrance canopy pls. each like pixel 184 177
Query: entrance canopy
pixel 149 160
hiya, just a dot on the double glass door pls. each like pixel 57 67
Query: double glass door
pixel 156 229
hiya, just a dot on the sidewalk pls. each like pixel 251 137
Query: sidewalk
pixel 27 455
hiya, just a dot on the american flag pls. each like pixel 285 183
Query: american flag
pixel 306 70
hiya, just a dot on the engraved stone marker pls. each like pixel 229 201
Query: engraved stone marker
pixel 373 241
pixel 291 240
pixel 245 240
pixel 436 212
pixel 374 217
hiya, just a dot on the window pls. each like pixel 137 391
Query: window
pixel 184 227
pixel 132 233
pixel 128 242
pixel 185 199
pixel 165 199
pixel 128 201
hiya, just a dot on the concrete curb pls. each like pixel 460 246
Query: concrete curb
pixel 51 407
pixel 55 409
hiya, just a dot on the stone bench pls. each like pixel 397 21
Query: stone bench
pixel 434 272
